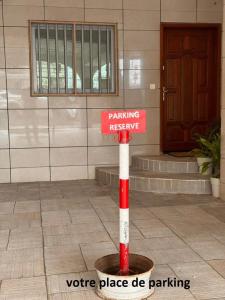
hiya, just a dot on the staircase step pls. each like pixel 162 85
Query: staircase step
pixel 146 181
pixel 165 164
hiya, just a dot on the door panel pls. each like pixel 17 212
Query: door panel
pixel 189 85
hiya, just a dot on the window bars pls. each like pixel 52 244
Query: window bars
pixel 73 59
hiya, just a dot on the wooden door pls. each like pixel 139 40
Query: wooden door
pixel 190 67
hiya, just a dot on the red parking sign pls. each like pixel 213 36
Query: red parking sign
pixel 118 120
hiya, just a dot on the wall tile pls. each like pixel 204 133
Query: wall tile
pixel 19 91
pixel 178 5
pixel 91 172
pixel 142 59
pixel 66 156
pixel 4 175
pixel 178 16
pixel 17 47
pixel 64 13
pixel 106 155
pixel 106 102
pixel 30 174
pixel 210 5
pixel 222 170
pixel 17 58
pixel 1 37
pixel 2 58
pixel 24 2
pixel 4 140
pixel 140 79
pixel 16 37
pixel 67 127
pixel 222 190
pixel 222 85
pixel 69 173
pixel 4 158
pixel 141 20
pixel 1 23
pixel 104 15
pixel 65 3
pixel 115 4
pixel 223 134
pixel 36 157
pixel 67 102
pixel 19 15
pixel 209 16
pixel 3 97
pixel 152 135
pixel 2 53
pixel 144 150
pixel 141 40
pixel 141 4
pixel 95 137
pixel 28 128
pixel 142 98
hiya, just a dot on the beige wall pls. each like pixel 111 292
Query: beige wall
pixel 59 138
pixel 223 113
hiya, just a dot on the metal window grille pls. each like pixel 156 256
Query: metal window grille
pixel 73 59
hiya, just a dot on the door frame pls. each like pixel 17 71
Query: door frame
pixel 163 27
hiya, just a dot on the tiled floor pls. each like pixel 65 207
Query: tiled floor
pixel 51 232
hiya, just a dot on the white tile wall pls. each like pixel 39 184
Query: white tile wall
pixel 28 128
pixel 59 138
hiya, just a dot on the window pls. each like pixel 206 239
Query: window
pixel 72 59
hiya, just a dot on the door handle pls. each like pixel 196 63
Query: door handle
pixel 165 91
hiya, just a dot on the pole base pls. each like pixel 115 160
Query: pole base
pixel 108 271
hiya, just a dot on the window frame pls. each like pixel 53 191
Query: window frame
pixel 74 23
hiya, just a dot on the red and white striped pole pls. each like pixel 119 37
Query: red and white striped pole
pixel 124 202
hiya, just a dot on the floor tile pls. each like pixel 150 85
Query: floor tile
pixel 25 238
pixel 108 214
pixel 73 228
pixel 91 252
pixel 218 265
pixel 102 201
pixel 163 272
pixel 6 207
pixel 24 289
pixel 86 295
pixel 22 220
pixel 161 243
pixel 167 256
pixel 27 206
pixel 55 218
pixel 63 260
pixel 84 216
pixel 206 283
pixel 152 228
pixel 65 204
pixel 21 263
pixel 209 250
pixel 4 237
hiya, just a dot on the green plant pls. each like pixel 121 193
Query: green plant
pixel 213 147
pixel 202 150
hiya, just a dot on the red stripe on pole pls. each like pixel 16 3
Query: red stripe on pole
pixel 124 259
pixel 124 193
pixel 123 137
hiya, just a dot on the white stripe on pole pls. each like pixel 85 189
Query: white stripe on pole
pixel 124 161
pixel 124 225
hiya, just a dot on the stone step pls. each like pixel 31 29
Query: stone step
pixel 146 181
pixel 165 164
